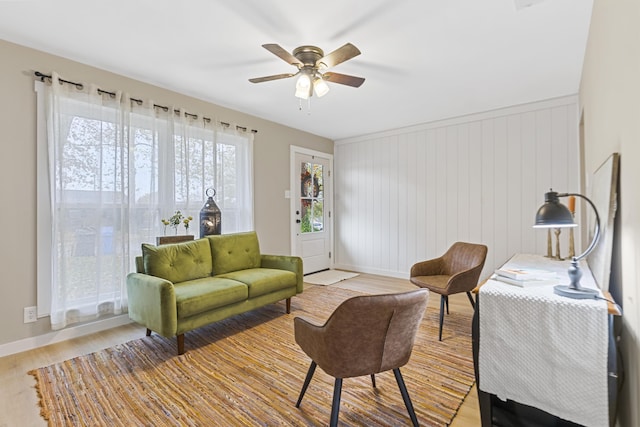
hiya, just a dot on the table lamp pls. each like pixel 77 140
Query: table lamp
pixel 554 214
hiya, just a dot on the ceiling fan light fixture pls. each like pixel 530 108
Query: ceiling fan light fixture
pixel 311 62
pixel 320 87
pixel 303 86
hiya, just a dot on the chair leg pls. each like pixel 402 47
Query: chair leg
pixel 473 303
pixel 148 332
pixel 307 380
pixel 442 302
pixel 446 301
pixel 288 305
pixel 405 396
pixel 335 405
pixel 373 380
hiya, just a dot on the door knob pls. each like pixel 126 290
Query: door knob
pixel 298 221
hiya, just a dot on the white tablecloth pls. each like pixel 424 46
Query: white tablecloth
pixel 544 350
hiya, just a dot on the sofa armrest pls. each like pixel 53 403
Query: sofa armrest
pixel 285 262
pixel 152 303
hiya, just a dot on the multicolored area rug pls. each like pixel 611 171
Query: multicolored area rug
pixel 248 370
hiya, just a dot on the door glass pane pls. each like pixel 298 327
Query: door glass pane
pixel 318 217
pixel 311 198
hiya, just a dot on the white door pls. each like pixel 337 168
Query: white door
pixel 311 179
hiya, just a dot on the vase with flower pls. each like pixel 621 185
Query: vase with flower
pixel 174 222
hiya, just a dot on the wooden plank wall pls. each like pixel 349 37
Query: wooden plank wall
pixel 406 195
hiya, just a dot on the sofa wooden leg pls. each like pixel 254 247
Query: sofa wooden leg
pixel 180 344
pixel 288 305
pixel 148 332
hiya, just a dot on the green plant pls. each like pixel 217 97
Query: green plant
pixel 186 222
pixel 174 221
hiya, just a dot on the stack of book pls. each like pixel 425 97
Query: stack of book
pixel 524 277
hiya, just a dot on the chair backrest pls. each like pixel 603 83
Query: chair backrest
pixel 463 256
pixel 372 333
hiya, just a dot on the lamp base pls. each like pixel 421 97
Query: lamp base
pixel 576 293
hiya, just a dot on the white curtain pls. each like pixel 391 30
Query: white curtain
pixel 118 166
pixel 218 157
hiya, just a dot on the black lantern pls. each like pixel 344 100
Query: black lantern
pixel 210 216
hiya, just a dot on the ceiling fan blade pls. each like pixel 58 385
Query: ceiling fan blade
pixel 343 79
pixel 278 51
pixel 269 78
pixel 338 56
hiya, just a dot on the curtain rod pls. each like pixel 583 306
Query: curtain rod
pixel 80 86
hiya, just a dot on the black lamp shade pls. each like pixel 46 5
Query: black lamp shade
pixel 553 214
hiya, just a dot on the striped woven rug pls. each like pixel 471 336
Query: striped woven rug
pixel 248 371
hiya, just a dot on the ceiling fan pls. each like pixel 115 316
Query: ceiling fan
pixel 312 63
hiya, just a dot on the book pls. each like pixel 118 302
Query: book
pixel 524 283
pixel 525 274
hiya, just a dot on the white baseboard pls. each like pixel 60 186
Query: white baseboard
pixel 62 335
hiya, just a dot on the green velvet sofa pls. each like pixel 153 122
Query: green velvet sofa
pixel 183 286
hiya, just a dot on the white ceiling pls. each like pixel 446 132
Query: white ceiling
pixel 423 60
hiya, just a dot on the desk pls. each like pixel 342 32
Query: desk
pixel 547 357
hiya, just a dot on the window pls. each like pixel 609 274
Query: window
pixel 109 170
pixel 312 197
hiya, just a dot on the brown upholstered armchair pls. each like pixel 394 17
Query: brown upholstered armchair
pixel 458 270
pixel 365 335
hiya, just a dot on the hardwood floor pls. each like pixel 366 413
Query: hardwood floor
pixel 19 402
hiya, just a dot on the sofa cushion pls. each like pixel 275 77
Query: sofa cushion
pixel 262 281
pixel 233 252
pixel 200 295
pixel 178 262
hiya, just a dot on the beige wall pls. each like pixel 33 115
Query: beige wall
pixel 18 171
pixel 610 101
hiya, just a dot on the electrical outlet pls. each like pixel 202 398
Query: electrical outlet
pixel 30 314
